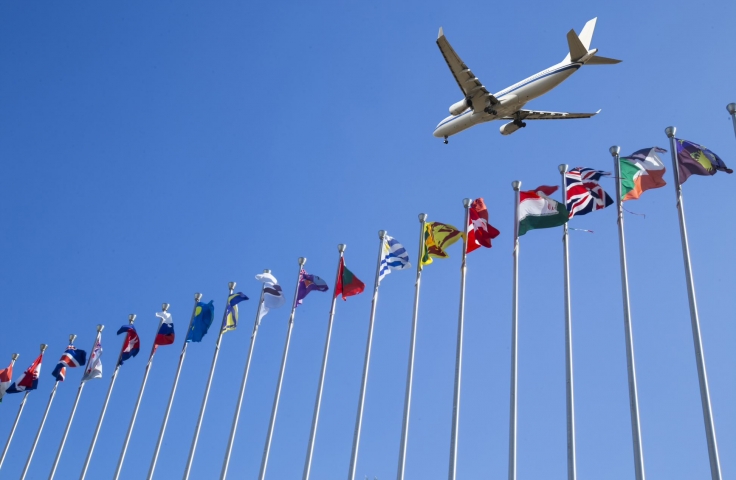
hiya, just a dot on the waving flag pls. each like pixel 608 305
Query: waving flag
pixel 481 232
pixel 94 367
pixel 71 358
pixel 131 344
pixel 437 237
pixel 394 257
pixel 273 296
pixel 309 283
pixel 694 159
pixel 641 171
pixel 230 319
pixel 204 313
pixel 6 377
pixel 347 283
pixel 165 335
pixel 584 193
pixel 537 210
pixel 29 380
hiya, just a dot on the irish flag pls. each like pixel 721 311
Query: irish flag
pixel 641 171
pixel 537 210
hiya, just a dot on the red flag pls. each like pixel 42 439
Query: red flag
pixel 480 232
pixel 347 283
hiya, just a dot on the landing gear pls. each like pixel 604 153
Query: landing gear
pixel 519 123
pixel 446 142
pixel 490 110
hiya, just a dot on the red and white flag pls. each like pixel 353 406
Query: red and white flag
pixel 480 232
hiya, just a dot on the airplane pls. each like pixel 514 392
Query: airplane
pixel 480 106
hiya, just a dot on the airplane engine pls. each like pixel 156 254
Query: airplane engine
pixel 509 128
pixel 459 107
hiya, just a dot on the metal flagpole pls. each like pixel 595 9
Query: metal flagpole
pixel 366 363
pixel 516 185
pixel 459 350
pixel 274 409
pixel 710 429
pixel 131 319
pixel 412 346
pixel 318 402
pixel 119 468
pixel 236 417
pixel 17 417
pixel 630 364
pixel 74 410
pixel 43 419
pixel 731 107
pixel 198 427
pixel 569 383
pixel 152 468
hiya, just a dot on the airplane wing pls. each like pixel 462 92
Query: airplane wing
pixel 471 87
pixel 539 115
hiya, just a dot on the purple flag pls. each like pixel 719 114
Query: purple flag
pixel 308 283
pixel 694 159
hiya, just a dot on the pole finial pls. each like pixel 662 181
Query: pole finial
pixel 670 131
pixel 44 347
pixel 731 107
pixel 197 297
pixel 100 327
pixel 131 318
pixel 266 270
pixel 72 337
pixel 302 261
pixel 614 150
pixel 341 248
pixel 15 356
pixel 382 233
pixel 562 167
pixel 422 217
pixel 467 202
pixel 164 307
pixel 231 285
pixel 516 185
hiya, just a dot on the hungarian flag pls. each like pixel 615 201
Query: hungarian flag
pixel 481 232
pixel 437 237
pixel 641 171
pixel 347 283
pixel 694 159
pixel 537 210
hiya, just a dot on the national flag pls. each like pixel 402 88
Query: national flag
pixel 437 237
pixel 131 344
pixel 165 335
pixel 393 257
pixel 584 193
pixel 694 159
pixel 480 232
pixel 6 378
pixel 537 210
pixel 347 283
pixel 29 380
pixel 641 171
pixel 309 283
pixel 94 367
pixel 230 318
pixel 204 313
pixel 71 358
pixel 273 296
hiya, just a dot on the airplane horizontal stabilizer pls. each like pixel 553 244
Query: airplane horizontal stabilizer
pixel 596 60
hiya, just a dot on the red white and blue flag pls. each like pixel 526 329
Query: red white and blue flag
pixel 165 335
pixel 71 358
pixel 29 380
pixel 131 344
pixel 584 193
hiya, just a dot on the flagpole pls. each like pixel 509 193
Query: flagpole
pixel 710 428
pixel 119 468
pixel 236 417
pixel 731 107
pixel 74 409
pixel 318 402
pixel 17 417
pixel 131 319
pixel 516 185
pixel 43 419
pixel 198 427
pixel 630 364
pixel 412 346
pixel 459 350
pixel 274 409
pixel 152 468
pixel 569 382
pixel 366 363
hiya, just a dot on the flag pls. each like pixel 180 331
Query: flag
pixel 71 358
pixel 584 193
pixel 165 335
pixel 347 283
pixel 309 283
pixel 537 210
pixel 694 159
pixel 204 313
pixel 230 318
pixel 6 377
pixel 94 366
pixel 393 257
pixel 273 296
pixel 437 237
pixel 480 232
pixel 29 380
pixel 641 171
pixel 131 344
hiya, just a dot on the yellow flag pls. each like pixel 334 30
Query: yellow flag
pixel 437 237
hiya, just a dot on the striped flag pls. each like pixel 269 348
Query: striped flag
pixel 584 193
pixel 71 358
pixel 394 257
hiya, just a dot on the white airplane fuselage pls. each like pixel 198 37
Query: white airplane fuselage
pixel 511 99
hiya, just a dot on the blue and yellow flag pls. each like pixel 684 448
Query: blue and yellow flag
pixel 203 315
pixel 230 319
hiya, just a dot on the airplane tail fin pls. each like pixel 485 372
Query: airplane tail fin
pixel 580 46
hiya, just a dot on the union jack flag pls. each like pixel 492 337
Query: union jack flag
pixel 584 193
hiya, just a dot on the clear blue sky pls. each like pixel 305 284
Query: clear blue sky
pixel 153 150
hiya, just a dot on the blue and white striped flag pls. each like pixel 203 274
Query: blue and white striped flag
pixel 394 257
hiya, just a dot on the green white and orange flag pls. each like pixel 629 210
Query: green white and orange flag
pixel 641 171
pixel 347 283
pixel 437 237
pixel 537 210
